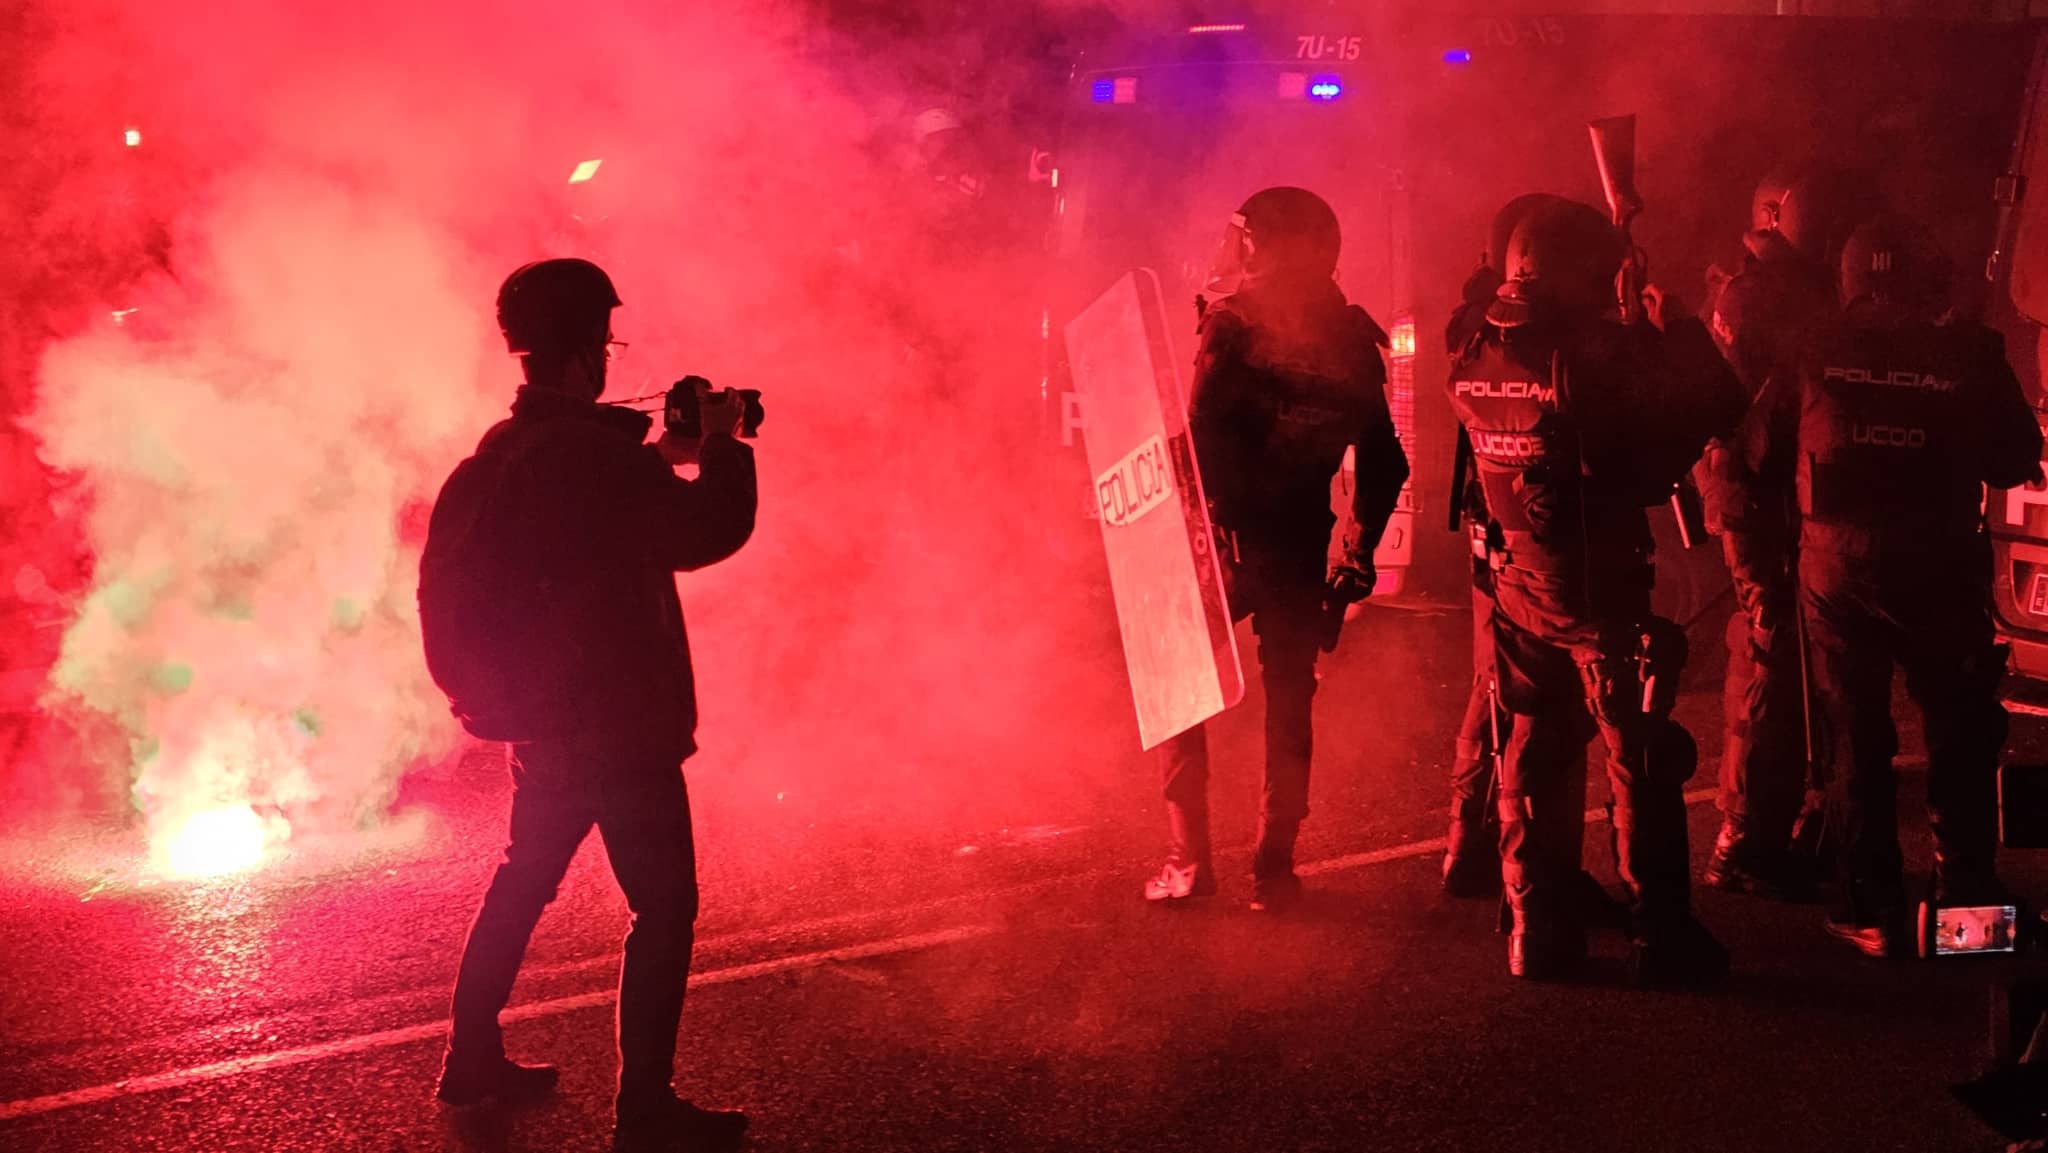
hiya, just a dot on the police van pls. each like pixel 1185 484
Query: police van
pixel 2018 272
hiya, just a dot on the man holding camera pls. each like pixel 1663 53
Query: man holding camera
pixel 549 612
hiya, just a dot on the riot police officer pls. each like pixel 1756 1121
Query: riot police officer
pixel 1471 865
pixel 1892 424
pixel 1798 222
pixel 1577 423
pixel 1288 376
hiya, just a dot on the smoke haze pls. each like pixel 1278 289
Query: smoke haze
pixel 303 244
pixel 302 250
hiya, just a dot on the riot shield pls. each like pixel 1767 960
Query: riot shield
pixel 1163 567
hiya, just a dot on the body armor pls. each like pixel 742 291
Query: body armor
pixel 1887 465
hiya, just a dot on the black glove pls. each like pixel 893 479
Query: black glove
pixel 1352 580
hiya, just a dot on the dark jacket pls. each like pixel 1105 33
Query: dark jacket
pixel 1890 431
pixel 547 593
pixel 1757 319
pixel 1287 379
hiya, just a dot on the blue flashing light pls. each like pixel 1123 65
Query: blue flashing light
pixel 1102 91
pixel 1458 56
pixel 1325 88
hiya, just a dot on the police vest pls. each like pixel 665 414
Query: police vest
pixel 1883 442
pixel 1525 450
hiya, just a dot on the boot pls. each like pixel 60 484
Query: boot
pixel 1471 851
pixel 665 1122
pixel 1274 885
pixel 495 1079
pixel 1542 947
pixel 1188 871
pixel 1741 864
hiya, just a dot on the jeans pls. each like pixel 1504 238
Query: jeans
pixel 641 808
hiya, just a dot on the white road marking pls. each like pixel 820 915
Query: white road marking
pixel 385 1039
pixel 1436 845
pixel 388 1038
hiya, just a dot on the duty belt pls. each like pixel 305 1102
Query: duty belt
pixel 1520 550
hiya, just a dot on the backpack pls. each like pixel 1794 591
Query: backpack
pixel 495 642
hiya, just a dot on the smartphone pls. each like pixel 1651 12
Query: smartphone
pixel 1948 930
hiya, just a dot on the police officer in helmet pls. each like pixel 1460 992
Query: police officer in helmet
pixel 1891 421
pixel 1471 864
pixel 1799 220
pixel 1287 377
pixel 1578 423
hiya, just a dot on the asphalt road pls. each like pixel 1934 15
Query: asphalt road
pixel 978 988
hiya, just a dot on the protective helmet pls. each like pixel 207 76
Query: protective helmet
pixel 1560 259
pixel 1280 232
pixel 555 306
pixel 1812 210
pixel 1893 262
pixel 1507 218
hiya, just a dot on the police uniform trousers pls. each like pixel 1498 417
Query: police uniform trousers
pixel 1473 803
pixel 1934 621
pixel 1280 586
pixel 640 806
pixel 1763 787
pixel 1557 661
pixel 1472 763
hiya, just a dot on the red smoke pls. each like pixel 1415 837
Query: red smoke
pixel 309 232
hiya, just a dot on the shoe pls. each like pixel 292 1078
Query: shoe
pixel 1883 938
pixel 1680 955
pixel 671 1123
pixel 503 1081
pixel 1540 954
pixel 1275 894
pixel 1178 882
pixel 1469 876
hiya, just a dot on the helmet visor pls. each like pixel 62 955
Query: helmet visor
pixel 1233 255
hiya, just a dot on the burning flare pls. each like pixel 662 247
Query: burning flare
pixel 215 843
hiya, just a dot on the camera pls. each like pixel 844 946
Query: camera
pixel 681 414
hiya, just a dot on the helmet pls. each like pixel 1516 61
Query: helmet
pixel 555 306
pixel 1893 262
pixel 1285 232
pixel 1560 257
pixel 1811 210
pixel 1507 218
